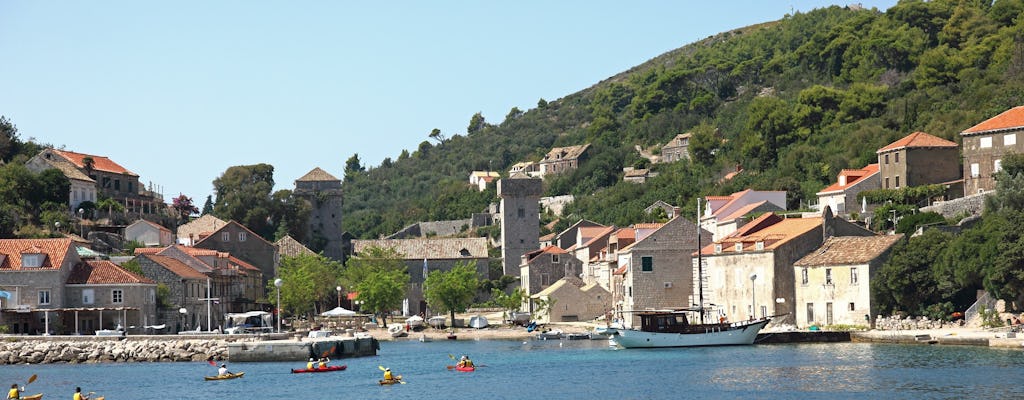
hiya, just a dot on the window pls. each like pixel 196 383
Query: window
pixel 44 297
pixel 88 296
pixel 117 296
pixel 554 258
pixel 803 276
pixel 810 313
pixel 852 307
pixel 975 170
pixel 739 246
pixel 896 157
pixel 241 236
pixel 828 276
pixel 718 248
pixel 225 236
pixel 521 213
pixel 828 313
pixel 986 142
pixel 131 187
pixel 32 260
pixel 117 184
pixel 897 182
pixel 886 158
pixel 1009 139
pixel 646 264
pixel 853 275
pixel 887 182
pixel 759 245
pixel 997 166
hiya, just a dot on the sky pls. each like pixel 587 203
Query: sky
pixel 178 92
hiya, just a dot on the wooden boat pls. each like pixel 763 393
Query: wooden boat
pixel 223 377
pixel 478 322
pixel 672 328
pixel 329 368
pixel 461 368
pixel 36 396
pixel 396 330
pixel 398 379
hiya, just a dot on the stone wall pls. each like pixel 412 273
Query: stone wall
pixel 35 351
pixel 969 205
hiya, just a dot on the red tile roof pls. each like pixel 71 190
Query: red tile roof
pixel 770 229
pixel 242 264
pixel 547 250
pixel 1009 119
pixel 852 176
pixel 177 267
pixel 916 140
pixel 103 272
pixel 55 250
pixel 100 163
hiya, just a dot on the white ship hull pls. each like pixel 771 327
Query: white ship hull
pixel 737 334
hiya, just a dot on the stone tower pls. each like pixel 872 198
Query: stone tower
pixel 520 219
pixel 323 192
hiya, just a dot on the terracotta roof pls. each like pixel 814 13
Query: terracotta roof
pixel 747 209
pixel 849 250
pixel 434 248
pixel 103 272
pixel 600 235
pixel 288 246
pixel 917 140
pixel 317 175
pixel 100 163
pixel 770 229
pixel 547 250
pixel 566 153
pixel 621 270
pixel 204 224
pixel 242 264
pixel 55 250
pixel 852 177
pixel 1009 119
pixel 177 267
pixel 648 225
pixel 550 236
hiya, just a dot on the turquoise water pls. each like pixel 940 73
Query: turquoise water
pixel 572 370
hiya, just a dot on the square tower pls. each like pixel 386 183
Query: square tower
pixel 520 219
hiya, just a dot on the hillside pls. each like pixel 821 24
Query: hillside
pixel 791 102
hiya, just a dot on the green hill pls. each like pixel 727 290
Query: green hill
pixel 791 102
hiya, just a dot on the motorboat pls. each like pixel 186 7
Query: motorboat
pixel 550 334
pixel 414 322
pixel 672 328
pixel 396 330
pixel 437 322
pixel 478 322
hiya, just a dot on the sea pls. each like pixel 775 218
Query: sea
pixel 570 369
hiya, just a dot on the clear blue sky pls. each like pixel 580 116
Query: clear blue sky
pixel 179 91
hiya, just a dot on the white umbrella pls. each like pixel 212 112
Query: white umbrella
pixel 338 312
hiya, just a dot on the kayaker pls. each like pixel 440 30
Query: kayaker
pixel 309 365
pixel 465 361
pixel 323 362
pixel 14 393
pixel 79 395
pixel 387 375
pixel 223 370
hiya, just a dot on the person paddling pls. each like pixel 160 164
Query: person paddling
pixel 79 395
pixel 310 364
pixel 388 377
pixel 223 370
pixel 14 393
pixel 323 362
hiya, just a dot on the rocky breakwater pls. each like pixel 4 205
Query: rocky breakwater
pixel 13 351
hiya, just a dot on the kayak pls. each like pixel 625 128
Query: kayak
pixel 37 396
pixel 222 377
pixel 398 379
pixel 465 369
pixel 325 369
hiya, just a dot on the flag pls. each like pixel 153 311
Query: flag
pixel 7 295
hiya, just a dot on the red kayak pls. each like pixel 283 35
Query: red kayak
pixel 465 369
pixel 326 369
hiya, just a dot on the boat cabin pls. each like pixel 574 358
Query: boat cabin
pixel 672 322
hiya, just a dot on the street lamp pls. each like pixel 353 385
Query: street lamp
pixel 753 305
pixel 81 214
pixel 57 225
pixel 183 311
pixel 338 289
pixel 278 282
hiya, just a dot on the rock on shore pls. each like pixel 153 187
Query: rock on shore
pixel 75 351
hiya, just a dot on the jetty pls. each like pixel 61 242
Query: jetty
pixel 302 349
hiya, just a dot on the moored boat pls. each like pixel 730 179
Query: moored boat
pixel 671 328
pixel 437 321
pixel 325 369
pixel 225 376
pixel 414 322
pixel 396 330
pixel 478 322
pixel 550 334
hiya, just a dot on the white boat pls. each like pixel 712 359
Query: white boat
pixel 673 329
pixel 414 321
pixel 550 334
pixel 396 330
pixel 437 321
pixel 478 322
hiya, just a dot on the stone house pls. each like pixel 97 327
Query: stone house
pixel 323 229
pixel 34 273
pixel 571 300
pixel 102 295
pixel 289 247
pixel 541 268
pixel 986 144
pixel 480 179
pixel 528 168
pixel 841 196
pixel 83 188
pixel 112 180
pixel 569 237
pixel 670 210
pixel 563 159
pixel 591 249
pixel 676 149
pixel 919 159
pixel 187 286
pixel 198 229
pixel 833 283
pixel 724 214
pixel 235 239
pixel 148 233
pixel 657 269
pixel 422 256
pixel 765 250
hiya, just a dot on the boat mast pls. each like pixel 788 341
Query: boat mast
pixel 700 266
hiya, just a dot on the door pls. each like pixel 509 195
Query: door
pixel 828 313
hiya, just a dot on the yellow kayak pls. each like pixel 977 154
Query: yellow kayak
pixel 222 377
pixel 398 379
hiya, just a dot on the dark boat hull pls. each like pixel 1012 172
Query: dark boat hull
pixel 327 369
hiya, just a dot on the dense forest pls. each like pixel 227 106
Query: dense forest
pixel 789 102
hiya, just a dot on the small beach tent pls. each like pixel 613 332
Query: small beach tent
pixel 251 319
pixel 338 312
